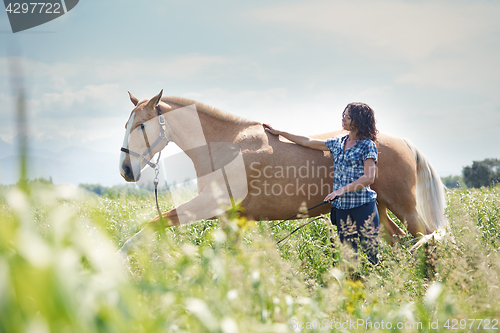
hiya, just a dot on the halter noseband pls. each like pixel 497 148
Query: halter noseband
pixel 161 137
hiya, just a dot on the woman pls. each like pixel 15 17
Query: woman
pixel 354 209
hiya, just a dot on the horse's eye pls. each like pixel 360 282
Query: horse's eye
pixel 141 126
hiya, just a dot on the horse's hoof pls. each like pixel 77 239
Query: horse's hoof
pixel 122 253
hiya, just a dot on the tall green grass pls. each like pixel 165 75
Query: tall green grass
pixel 58 272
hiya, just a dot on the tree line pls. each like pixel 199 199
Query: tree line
pixel 479 174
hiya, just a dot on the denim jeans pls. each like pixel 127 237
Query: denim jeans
pixel 361 226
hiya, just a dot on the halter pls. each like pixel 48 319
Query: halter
pixel 161 137
pixel 142 157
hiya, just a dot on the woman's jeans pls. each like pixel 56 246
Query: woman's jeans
pixel 362 224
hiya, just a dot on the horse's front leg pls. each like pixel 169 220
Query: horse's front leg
pixel 206 205
pixel 211 202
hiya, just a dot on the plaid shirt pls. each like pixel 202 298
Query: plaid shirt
pixel 348 166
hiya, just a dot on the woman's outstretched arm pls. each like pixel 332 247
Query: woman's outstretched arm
pixel 299 139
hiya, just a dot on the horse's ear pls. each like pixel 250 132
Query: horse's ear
pixel 155 100
pixel 134 99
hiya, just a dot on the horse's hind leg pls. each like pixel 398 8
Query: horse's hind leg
pixel 412 223
pixel 390 228
pixel 408 215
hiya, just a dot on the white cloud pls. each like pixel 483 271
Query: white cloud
pixel 87 89
pixel 372 91
pixel 105 94
pixel 179 67
pixel 58 74
pixel 472 71
pixel 450 44
pixel 247 100
pixel 411 30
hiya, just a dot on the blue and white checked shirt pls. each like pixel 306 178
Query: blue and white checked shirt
pixel 348 166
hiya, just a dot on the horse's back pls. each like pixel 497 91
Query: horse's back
pixel 268 162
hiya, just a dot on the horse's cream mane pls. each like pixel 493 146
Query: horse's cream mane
pixel 209 110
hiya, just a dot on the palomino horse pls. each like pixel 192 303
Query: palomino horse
pixel 237 159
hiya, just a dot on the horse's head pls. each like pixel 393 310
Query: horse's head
pixel 146 134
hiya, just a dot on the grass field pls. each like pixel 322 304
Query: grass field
pixel 58 272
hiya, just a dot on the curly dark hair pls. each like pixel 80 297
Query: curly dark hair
pixel 363 120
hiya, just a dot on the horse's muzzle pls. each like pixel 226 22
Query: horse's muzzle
pixel 129 175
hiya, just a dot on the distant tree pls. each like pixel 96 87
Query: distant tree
pixel 453 181
pixel 42 181
pixel 482 173
pixel 116 190
pixel 37 181
pixel 96 188
pixel 127 189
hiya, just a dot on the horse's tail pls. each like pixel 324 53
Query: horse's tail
pixel 431 201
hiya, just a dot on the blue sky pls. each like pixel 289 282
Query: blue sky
pixel 429 69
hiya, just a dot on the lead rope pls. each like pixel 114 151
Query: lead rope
pixel 156 181
pixel 291 217
pixel 163 136
pixel 303 225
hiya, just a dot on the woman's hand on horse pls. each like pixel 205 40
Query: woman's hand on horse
pixel 271 130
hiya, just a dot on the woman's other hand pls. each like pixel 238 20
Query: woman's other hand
pixel 335 194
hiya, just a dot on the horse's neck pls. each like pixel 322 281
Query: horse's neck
pixel 218 129
pixel 194 128
pixel 198 130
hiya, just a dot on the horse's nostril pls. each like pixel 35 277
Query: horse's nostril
pixel 128 172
